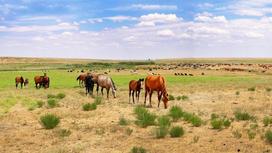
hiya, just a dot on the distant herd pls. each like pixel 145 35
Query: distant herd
pixel 88 80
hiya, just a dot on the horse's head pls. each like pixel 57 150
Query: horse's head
pixel 165 99
pixel 141 83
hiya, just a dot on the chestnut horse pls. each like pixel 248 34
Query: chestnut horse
pixel 42 81
pixel 19 79
pixel 135 86
pixel 156 83
pixel 81 79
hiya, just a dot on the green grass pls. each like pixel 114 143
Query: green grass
pixel 161 132
pixel 64 133
pixel 89 106
pixel 176 131
pixel 52 103
pixel 171 97
pixel 251 89
pixel 123 121
pixel 144 117
pixel 176 113
pixel 268 136
pixel 242 116
pixel 40 104
pixel 267 120
pixel 60 96
pixel 98 100
pixel 49 121
pixel 164 121
pixel 138 150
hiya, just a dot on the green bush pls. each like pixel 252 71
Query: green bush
pixel 52 103
pixel 176 131
pixel 60 96
pixel 40 104
pixel 268 136
pixel 164 121
pixel 98 100
pixel 144 118
pixel 217 123
pixel 242 116
pixel 138 150
pixel 251 134
pixel 176 113
pixel 196 121
pixel 184 97
pixel 267 120
pixel 88 106
pixel 123 121
pixel 161 132
pixel 237 93
pixel 49 121
pixel 252 89
pixel 268 89
pixel 214 116
pixel 51 96
pixel 227 123
pixel 171 97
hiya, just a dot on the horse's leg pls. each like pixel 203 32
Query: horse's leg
pixel 21 85
pixel 108 90
pixel 129 94
pixel 133 97
pixel 97 88
pixel 139 95
pixel 102 91
pixel 145 96
pixel 159 98
pixel 150 96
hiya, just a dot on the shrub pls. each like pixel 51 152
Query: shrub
pixel 176 131
pixel 268 89
pixel 196 121
pixel 164 121
pixel 60 96
pixel 251 134
pixel 217 123
pixel 267 120
pixel 227 122
pixel 138 150
pixel 214 116
pixel 98 100
pixel 171 97
pixel 144 118
pixel 237 93
pixel 176 113
pixel 161 132
pixel 49 121
pixel 51 96
pixel 123 121
pixel 184 97
pixel 64 133
pixel 237 134
pixel 242 116
pixel 40 104
pixel 251 89
pixel 88 106
pixel 129 131
pixel 52 103
pixel 268 136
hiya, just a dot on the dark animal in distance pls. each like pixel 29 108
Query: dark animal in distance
pixel 19 79
pixel 156 83
pixel 135 86
pixel 89 84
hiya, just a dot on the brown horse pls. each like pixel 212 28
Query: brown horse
pixel 42 81
pixel 135 86
pixel 104 81
pixel 19 79
pixel 81 79
pixel 156 83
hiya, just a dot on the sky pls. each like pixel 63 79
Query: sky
pixel 136 29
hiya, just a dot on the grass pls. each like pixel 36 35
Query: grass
pixel 129 131
pixel 52 103
pixel 251 134
pixel 268 89
pixel 138 150
pixel 98 100
pixel 171 98
pixel 123 121
pixel 144 117
pixel 89 106
pixel 243 116
pixel 161 132
pixel 237 134
pixel 192 118
pixel 218 122
pixel 176 131
pixel 183 97
pixel 60 96
pixel 40 104
pixel 49 121
pixel 268 136
pixel 267 120
pixel 176 113
pixel 164 121
pixel 64 132
pixel 251 89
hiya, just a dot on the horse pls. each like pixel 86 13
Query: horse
pixel 42 81
pixel 19 79
pixel 26 82
pixel 89 84
pixel 81 79
pixel 156 83
pixel 135 86
pixel 104 81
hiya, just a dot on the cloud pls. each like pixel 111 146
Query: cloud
pixel 154 7
pixel 208 17
pixel 166 33
pixel 8 8
pixel 120 18
pixel 155 18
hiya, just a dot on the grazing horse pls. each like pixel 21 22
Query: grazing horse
pixel 135 86
pixel 81 79
pixel 105 81
pixel 42 81
pixel 156 83
pixel 18 80
pixel 89 84
pixel 26 82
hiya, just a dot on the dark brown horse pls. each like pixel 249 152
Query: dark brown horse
pixel 135 86
pixel 81 79
pixel 19 79
pixel 42 81
pixel 156 83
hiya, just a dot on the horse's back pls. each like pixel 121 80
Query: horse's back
pixel 19 79
pixel 132 85
pixel 154 82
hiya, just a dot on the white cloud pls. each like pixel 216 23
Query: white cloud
pixel 208 17
pixel 166 33
pixel 251 7
pixel 155 18
pixel 154 7
pixel 120 18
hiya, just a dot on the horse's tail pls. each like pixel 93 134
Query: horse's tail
pixel 78 78
pixel 22 79
pixel 113 84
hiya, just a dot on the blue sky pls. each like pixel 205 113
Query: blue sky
pixel 130 29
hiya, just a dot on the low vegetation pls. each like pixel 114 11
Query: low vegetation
pixel 64 133
pixel 49 121
pixel 123 121
pixel 251 89
pixel 242 116
pixel 89 106
pixel 52 103
pixel 267 120
pixel 40 104
pixel 161 132
pixel 183 97
pixel 176 113
pixel 176 131
pixel 144 117
pixel 138 150
pixel 164 121
pixel 98 100
pixel 219 122
pixel 171 97
pixel 60 96
pixel 268 136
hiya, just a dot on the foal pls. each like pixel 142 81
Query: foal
pixel 135 86
pixel 18 80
